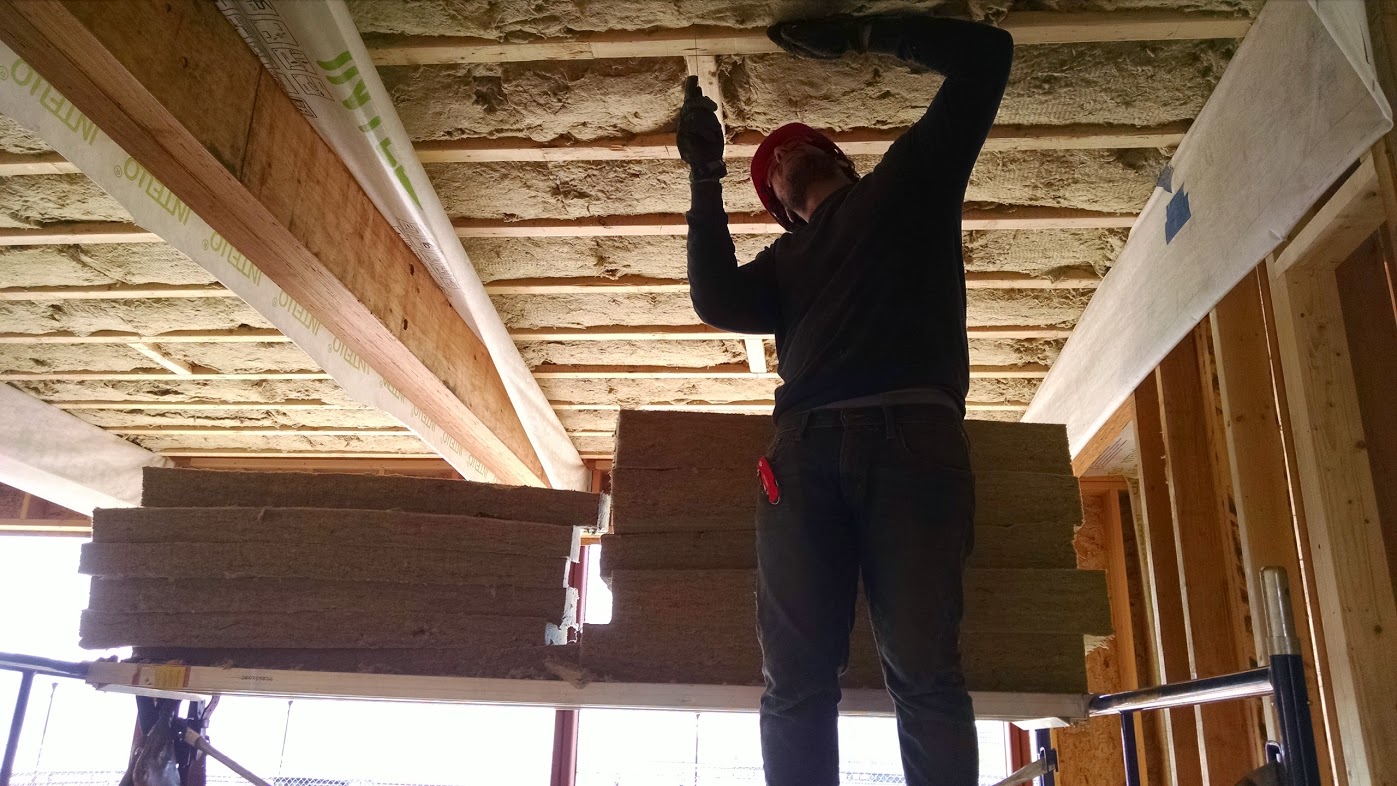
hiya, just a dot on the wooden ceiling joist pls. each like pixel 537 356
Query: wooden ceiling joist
pixel 254 431
pixel 706 333
pixel 70 232
pixel 115 292
pixel 203 116
pixel 1028 27
pixel 1022 217
pixel 642 285
pixel 177 367
pixel 198 406
pixel 478 150
pixel 763 407
pixel 291 454
pixel 234 336
pixel 744 144
pixel 153 376
pixel 743 371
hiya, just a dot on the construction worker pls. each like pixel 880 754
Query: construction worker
pixel 868 474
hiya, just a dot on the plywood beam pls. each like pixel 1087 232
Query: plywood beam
pixel 1028 27
pixel 114 292
pixel 1107 441
pixel 233 336
pixel 174 84
pixel 706 333
pixel 1022 217
pixel 644 285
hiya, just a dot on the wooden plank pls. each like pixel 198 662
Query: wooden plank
pixel 22 164
pixel 66 233
pixel 257 431
pixel 369 670
pixel 1352 214
pixel 201 115
pixel 327 629
pixel 89 376
pixel 706 333
pixel 334 527
pixel 997 600
pixel 1352 579
pixel 177 367
pixel 114 292
pixel 730 371
pixel 75 527
pixel 234 336
pixel 643 285
pixel 1164 583
pixel 196 406
pixel 166 488
pixel 1229 744
pixel 252 454
pixel 756 354
pixel 1028 27
pixel 1257 463
pixel 145 596
pixel 1019 217
pixel 316 561
pixel 743 144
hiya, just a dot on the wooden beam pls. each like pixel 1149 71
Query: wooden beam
pixel 114 292
pixel 1107 442
pixel 1353 580
pixel 1163 582
pixel 868 142
pixel 434 466
pixel 764 406
pixel 1266 521
pixel 706 333
pixel 1229 745
pixel 21 164
pixel 478 150
pixel 197 406
pixel 1028 28
pixel 738 371
pixel 199 112
pixel 756 354
pixel 176 367
pixel 1340 225
pixel 314 455
pixel 74 527
pixel 255 431
pixel 1022 217
pixel 644 285
pixel 64 233
pixel 234 336
pixel 149 376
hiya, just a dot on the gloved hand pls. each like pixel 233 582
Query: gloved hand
pixel 824 39
pixel 700 135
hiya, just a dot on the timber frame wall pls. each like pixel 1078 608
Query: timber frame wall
pixel 1266 437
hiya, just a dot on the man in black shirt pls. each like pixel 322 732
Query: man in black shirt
pixel 870 473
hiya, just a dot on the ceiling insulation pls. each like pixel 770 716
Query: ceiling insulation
pixel 1133 84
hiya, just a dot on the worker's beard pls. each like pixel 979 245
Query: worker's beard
pixel 800 174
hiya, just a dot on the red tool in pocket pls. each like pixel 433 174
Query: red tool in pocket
pixel 768 479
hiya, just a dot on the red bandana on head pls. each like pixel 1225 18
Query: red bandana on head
pixel 761 164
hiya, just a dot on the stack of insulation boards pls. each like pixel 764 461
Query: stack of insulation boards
pixel 681 560
pixel 333 572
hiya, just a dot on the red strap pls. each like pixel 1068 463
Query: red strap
pixel 768 478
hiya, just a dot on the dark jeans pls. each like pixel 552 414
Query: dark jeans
pixel 886 494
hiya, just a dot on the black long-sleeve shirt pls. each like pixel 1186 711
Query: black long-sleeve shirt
pixel 869 296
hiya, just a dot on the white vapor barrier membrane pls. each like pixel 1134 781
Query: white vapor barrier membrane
pixel 61 458
pixel 1296 107
pixel 28 99
pixel 315 52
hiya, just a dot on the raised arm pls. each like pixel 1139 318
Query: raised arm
pixel 725 295
pixel 974 59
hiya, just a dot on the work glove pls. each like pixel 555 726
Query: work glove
pixel 700 135
pixel 823 39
